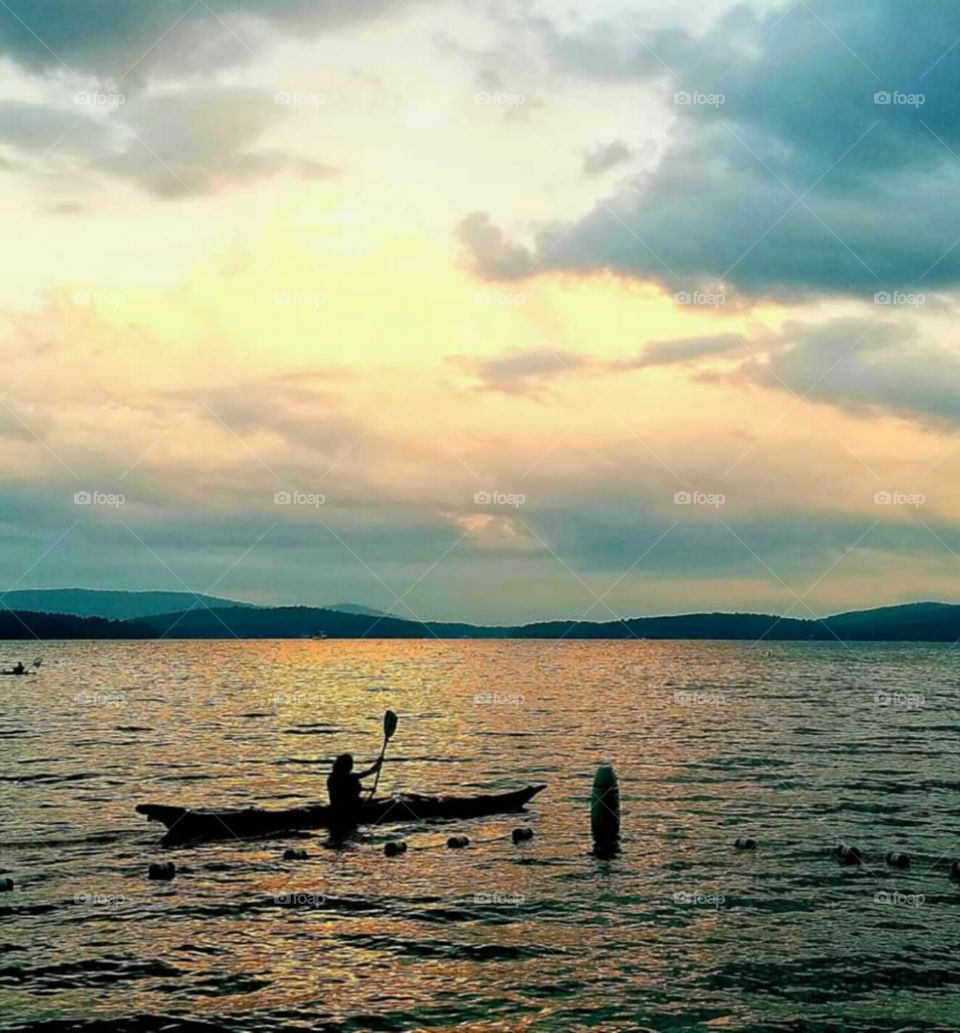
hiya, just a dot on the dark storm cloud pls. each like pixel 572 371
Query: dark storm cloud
pixel 112 37
pixel 790 546
pixel 785 177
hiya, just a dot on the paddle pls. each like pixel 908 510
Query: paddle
pixel 390 720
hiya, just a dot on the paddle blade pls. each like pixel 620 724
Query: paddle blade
pixel 390 720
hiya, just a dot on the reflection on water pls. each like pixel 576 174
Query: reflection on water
pixel 799 746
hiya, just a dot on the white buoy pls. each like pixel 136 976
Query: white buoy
pixel 605 810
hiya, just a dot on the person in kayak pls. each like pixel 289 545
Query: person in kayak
pixel 18 668
pixel 344 785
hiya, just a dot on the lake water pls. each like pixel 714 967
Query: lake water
pixel 798 745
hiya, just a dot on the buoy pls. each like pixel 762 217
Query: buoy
pixel 162 872
pixel 294 854
pixel 457 842
pixel 848 855
pixel 898 860
pixel 6 884
pixel 605 810
pixel 521 834
pixel 745 843
pixel 394 847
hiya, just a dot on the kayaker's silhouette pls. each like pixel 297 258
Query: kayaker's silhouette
pixel 344 785
pixel 18 668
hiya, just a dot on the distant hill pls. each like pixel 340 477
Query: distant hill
pixel 734 626
pixel 115 605
pixel 22 625
pixel 932 622
pixel 300 622
pixel 916 622
pixel 920 622
pixel 364 611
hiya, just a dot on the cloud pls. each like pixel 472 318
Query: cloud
pixel 117 38
pixel 521 371
pixel 605 156
pixel 172 144
pixel 867 367
pixel 491 250
pixel 784 176
pixel 305 411
pixel 682 350
pixel 36 128
pixel 191 142
pixel 527 371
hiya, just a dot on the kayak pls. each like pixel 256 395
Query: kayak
pixel 185 825
pixel 17 674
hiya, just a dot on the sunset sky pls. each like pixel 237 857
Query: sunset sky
pixel 676 285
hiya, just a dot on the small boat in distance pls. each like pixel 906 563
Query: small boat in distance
pixel 19 671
